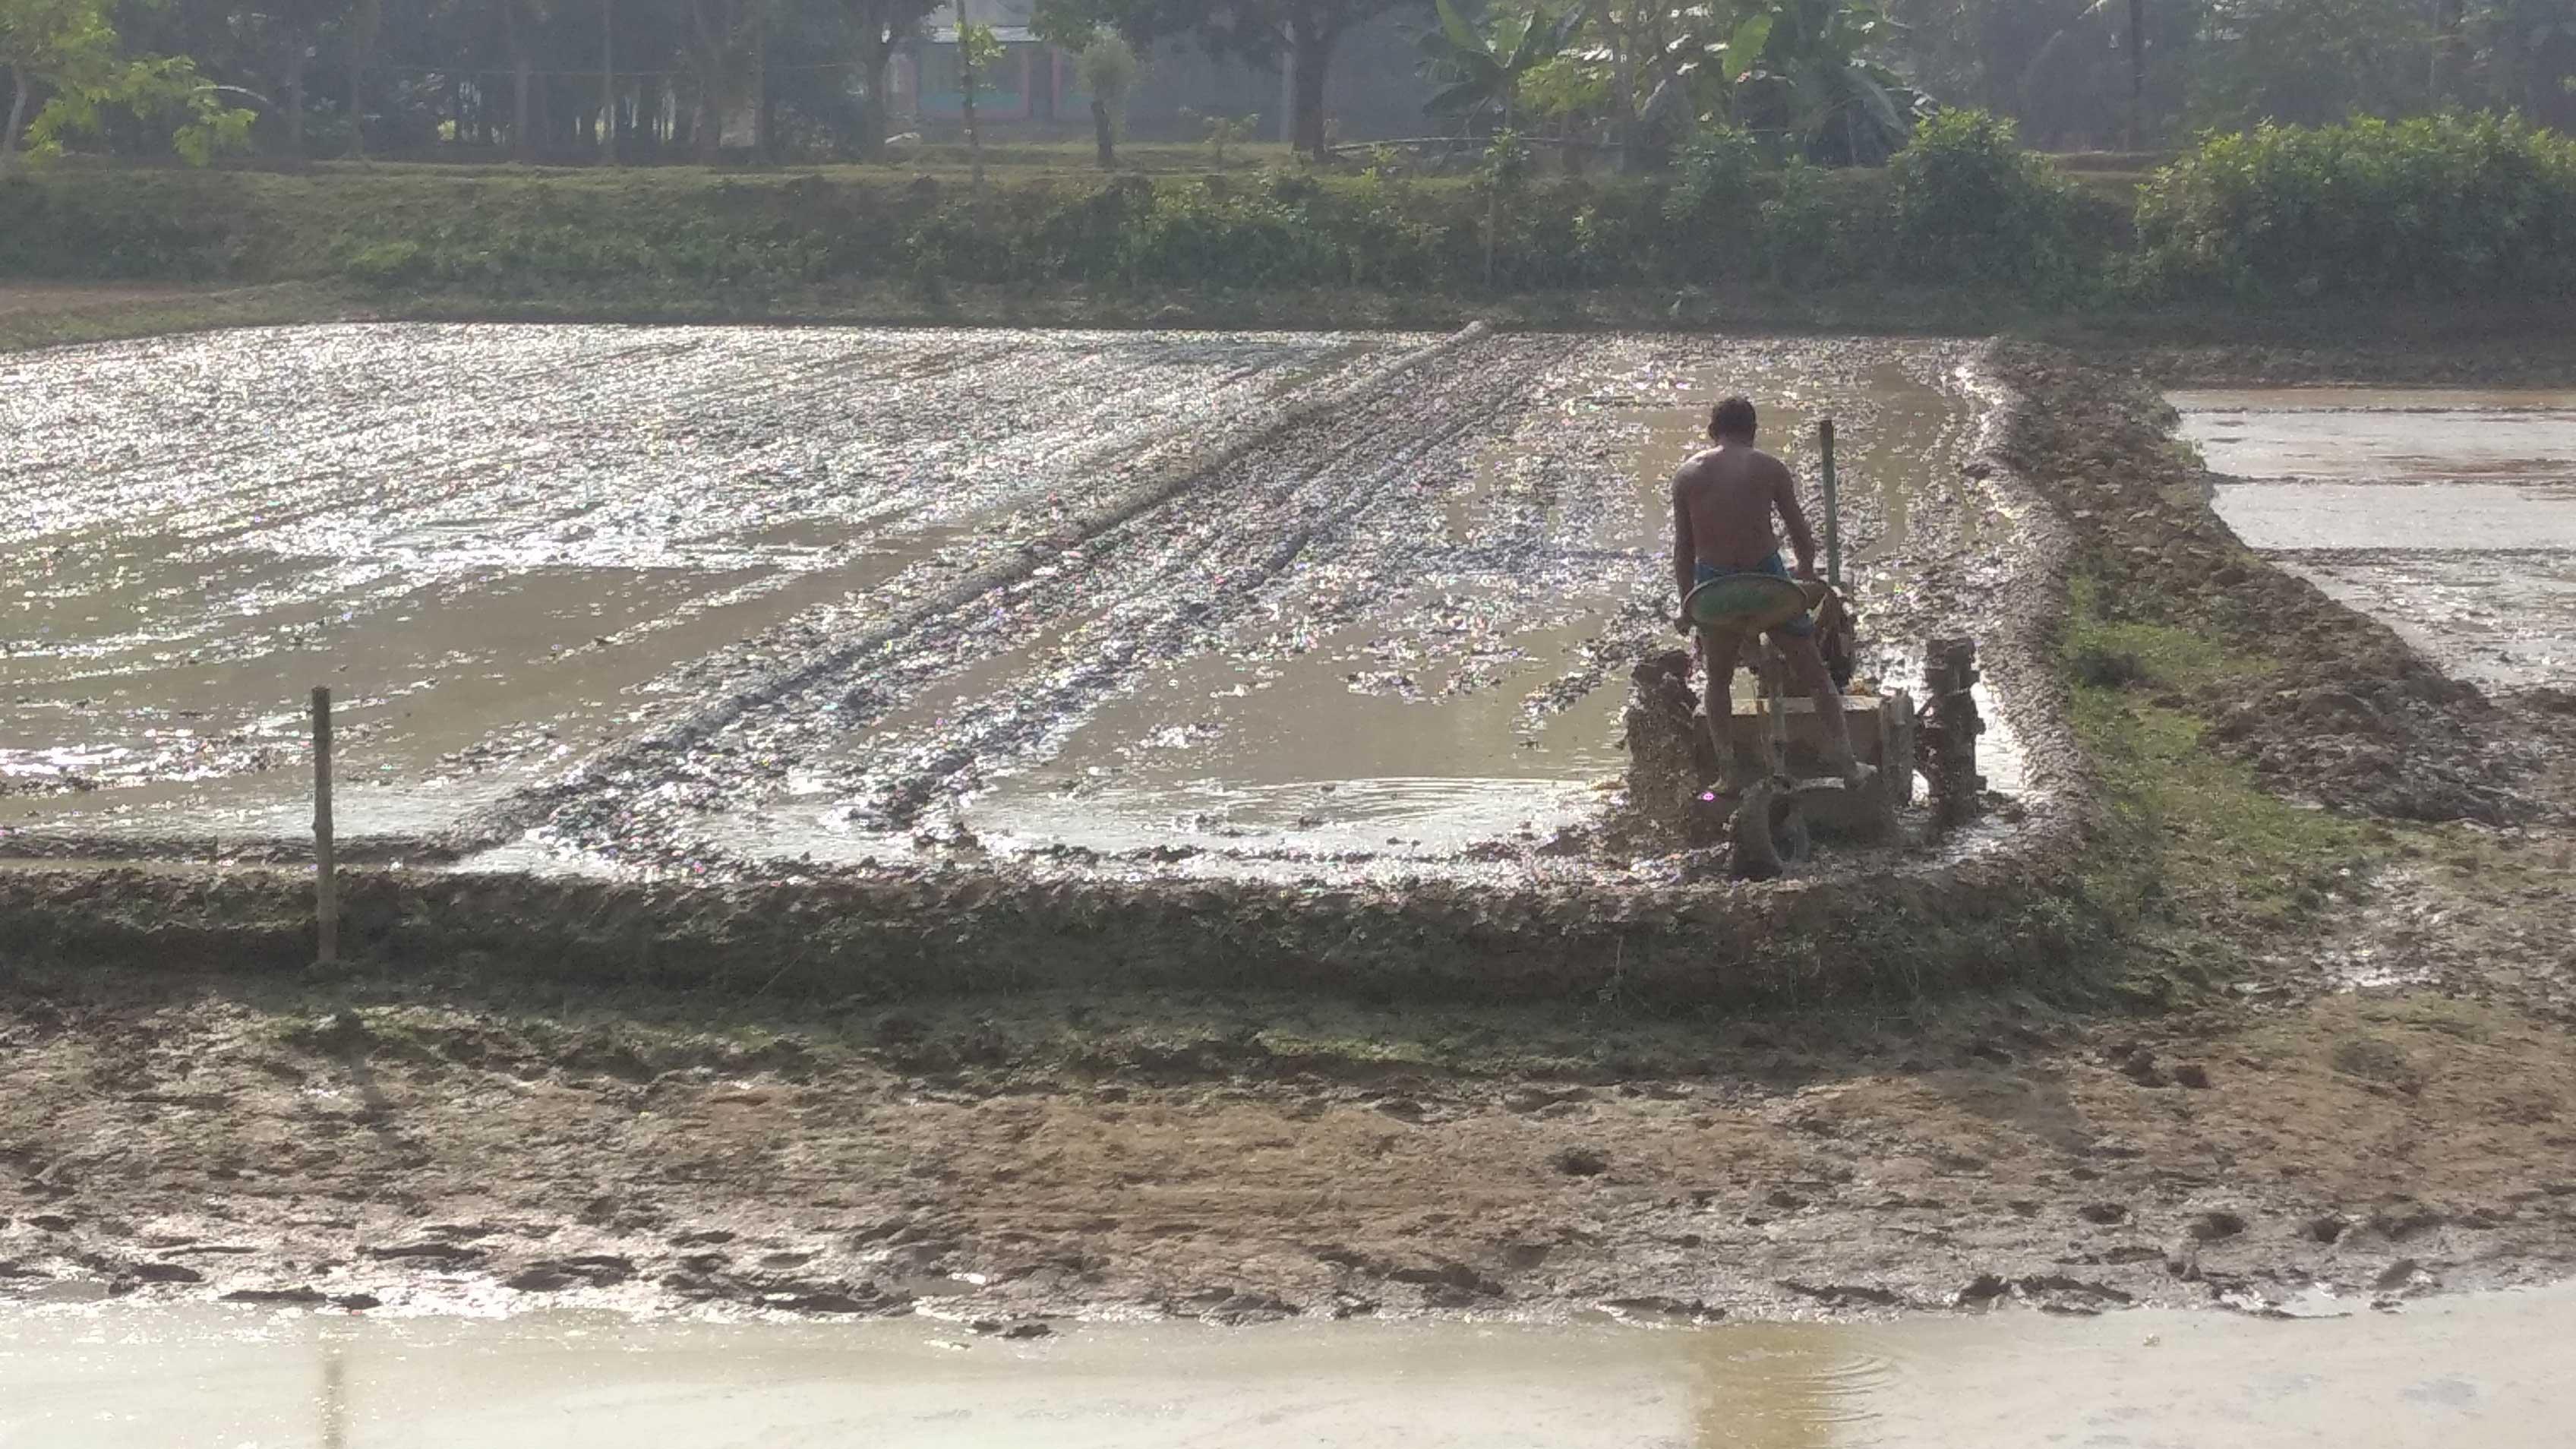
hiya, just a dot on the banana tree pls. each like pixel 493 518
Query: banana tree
pixel 1650 69
pixel 1483 70
pixel 1815 84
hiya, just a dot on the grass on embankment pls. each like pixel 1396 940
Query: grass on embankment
pixel 40 323
pixel 2201 863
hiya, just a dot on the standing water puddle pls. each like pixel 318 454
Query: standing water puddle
pixel 2448 512
pixel 2478 1372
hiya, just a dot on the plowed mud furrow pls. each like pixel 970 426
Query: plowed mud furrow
pixel 673 599
pixel 561 530
pixel 1181 578
pixel 1430 596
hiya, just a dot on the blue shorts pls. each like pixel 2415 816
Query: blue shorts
pixel 1801 627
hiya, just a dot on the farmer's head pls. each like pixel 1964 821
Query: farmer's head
pixel 1732 421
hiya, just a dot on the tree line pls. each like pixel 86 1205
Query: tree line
pixel 1834 81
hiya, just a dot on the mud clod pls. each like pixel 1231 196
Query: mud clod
pixel 2139 1065
pixel 2398 1225
pixel 834 1302
pixel 1847 1295
pixel 2397 1275
pixel 438 1252
pixel 1658 1306
pixel 998 1328
pixel 1579 1161
pixel 1231 1306
pixel 276 1295
pixel 1449 1282
pixel 1982 1289
pixel 2215 1225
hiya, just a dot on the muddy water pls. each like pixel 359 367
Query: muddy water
pixel 1399 638
pixel 2477 1372
pixel 2449 513
pixel 503 546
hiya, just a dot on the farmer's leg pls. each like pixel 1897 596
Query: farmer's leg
pixel 1720 649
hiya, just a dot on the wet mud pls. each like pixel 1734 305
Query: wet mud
pixel 2450 513
pixel 774 1092
pixel 425 1141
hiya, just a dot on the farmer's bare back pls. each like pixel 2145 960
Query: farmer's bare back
pixel 1724 499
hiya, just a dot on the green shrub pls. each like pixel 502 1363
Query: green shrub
pixel 1713 212
pixel 1797 241
pixel 500 256
pixel 1724 219
pixel 73 223
pixel 1084 233
pixel 1382 243
pixel 1973 206
pixel 2464 205
pixel 1213 234
pixel 1715 174
pixel 955 244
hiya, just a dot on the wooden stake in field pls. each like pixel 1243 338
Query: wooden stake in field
pixel 326 892
pixel 1833 506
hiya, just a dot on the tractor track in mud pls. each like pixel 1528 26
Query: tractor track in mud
pixel 1184 562
pixel 1337 537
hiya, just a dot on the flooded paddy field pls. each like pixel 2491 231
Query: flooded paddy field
pixel 667 600
pixel 2486 1370
pixel 503 547
pixel 2448 513
pixel 1390 641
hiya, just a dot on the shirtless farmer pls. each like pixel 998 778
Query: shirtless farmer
pixel 1723 499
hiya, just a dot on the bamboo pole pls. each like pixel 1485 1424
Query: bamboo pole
pixel 1833 507
pixel 326 888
